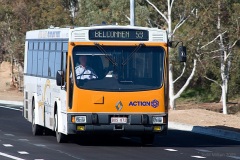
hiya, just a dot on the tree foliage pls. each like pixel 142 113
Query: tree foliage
pixel 17 17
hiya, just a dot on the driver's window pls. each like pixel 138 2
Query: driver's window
pixel 70 84
pixel 85 67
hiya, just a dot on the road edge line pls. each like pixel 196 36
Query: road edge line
pixel 15 109
pixel 11 102
pixel 220 133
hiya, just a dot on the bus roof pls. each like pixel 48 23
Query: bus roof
pixel 82 33
pixel 51 33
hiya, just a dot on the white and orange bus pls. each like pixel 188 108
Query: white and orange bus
pixel 122 89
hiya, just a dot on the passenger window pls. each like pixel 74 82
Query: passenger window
pixel 51 67
pixel 35 46
pixel 64 63
pixel 45 63
pixel 65 46
pixel 30 46
pixel 35 62
pixel 47 45
pixel 57 62
pixel 40 63
pixel 41 46
pixel 59 46
pixel 29 60
pixel 53 46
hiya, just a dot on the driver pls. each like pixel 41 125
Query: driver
pixel 83 71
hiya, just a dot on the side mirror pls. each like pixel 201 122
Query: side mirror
pixel 59 78
pixel 182 52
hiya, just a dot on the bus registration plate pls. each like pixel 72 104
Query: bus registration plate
pixel 118 119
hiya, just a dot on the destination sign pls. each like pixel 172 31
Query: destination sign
pixel 118 34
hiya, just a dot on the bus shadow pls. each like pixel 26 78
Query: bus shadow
pixel 175 138
pixel 104 140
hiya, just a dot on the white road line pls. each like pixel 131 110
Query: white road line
pixel 40 145
pixel 38 159
pixel 7 145
pixel 200 157
pixel 8 134
pixel 235 157
pixel 203 150
pixel 171 150
pixel 10 156
pixel 22 152
pixel 23 139
pixel 16 109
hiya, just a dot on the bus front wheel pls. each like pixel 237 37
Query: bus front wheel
pixel 61 138
pixel 36 129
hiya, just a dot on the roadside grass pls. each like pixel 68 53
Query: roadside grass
pixel 203 99
pixel 198 95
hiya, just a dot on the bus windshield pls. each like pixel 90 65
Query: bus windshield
pixel 125 68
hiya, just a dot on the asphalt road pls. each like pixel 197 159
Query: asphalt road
pixel 18 143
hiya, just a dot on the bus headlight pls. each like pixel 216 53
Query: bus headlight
pixel 157 120
pixel 80 119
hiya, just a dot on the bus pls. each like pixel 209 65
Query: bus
pixel 105 79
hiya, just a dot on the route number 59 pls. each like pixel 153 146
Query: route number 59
pixel 139 34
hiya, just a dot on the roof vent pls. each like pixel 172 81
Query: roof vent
pixel 158 36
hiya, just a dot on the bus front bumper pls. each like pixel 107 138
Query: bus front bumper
pixel 136 124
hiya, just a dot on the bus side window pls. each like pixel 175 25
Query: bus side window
pixel 51 69
pixel 64 61
pixel 58 56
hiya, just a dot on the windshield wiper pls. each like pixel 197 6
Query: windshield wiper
pixel 105 53
pixel 133 52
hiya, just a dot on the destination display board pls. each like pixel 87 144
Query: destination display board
pixel 119 34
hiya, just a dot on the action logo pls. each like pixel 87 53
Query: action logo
pixel 154 103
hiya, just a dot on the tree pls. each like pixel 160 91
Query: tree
pixel 222 46
pixel 111 12
pixel 18 17
pixel 186 13
pixel 72 6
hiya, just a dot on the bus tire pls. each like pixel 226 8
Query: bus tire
pixel 61 138
pixel 36 129
pixel 147 139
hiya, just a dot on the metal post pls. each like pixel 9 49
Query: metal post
pixel 132 12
